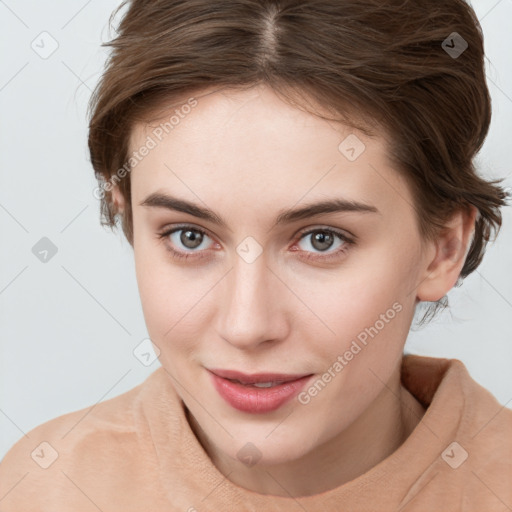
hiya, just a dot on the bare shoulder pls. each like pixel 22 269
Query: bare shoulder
pixel 56 459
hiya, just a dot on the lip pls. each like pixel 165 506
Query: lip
pixel 252 378
pixel 257 400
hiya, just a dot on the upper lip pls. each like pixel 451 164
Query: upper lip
pixel 255 378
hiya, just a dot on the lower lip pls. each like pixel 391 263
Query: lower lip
pixel 257 400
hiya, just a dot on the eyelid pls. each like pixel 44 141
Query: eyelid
pixel 168 229
pixel 320 227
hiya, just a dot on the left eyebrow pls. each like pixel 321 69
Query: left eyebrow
pixel 330 206
pixel 160 200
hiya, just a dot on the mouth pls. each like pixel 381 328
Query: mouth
pixel 260 380
pixel 257 393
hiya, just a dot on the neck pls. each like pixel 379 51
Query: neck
pixel 375 435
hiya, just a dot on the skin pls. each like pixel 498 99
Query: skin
pixel 247 155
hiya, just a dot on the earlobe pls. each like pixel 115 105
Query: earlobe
pixel 450 251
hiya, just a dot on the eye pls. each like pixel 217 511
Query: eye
pixel 322 240
pixel 185 241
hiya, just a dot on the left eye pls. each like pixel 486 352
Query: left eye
pixel 324 239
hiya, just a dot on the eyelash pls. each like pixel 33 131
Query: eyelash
pixel 347 242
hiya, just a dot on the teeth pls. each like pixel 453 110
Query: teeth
pixel 259 384
pixel 264 384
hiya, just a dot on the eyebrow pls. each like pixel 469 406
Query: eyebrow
pixel 159 200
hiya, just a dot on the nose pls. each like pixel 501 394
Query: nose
pixel 251 311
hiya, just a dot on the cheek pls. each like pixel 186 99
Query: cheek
pixel 360 291
pixel 366 308
pixel 161 294
pixel 174 300
pixel 371 323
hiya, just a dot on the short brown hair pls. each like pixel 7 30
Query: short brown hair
pixel 379 64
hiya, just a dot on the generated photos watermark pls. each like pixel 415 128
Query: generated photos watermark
pixel 157 135
pixel 357 345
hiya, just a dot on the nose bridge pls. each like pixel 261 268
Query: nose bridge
pixel 249 303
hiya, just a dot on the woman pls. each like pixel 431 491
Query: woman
pixel 295 178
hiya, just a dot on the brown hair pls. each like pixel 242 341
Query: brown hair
pixel 379 64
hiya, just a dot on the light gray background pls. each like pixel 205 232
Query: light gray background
pixel 69 326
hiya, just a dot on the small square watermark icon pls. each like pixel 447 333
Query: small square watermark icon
pixel 146 352
pixel 44 250
pixel 44 455
pixel 351 147
pixel 249 454
pixel 454 45
pixel 44 45
pixel 454 455
pixel 249 249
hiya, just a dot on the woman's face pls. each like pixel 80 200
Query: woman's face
pixel 265 290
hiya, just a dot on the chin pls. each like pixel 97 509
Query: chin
pixel 267 452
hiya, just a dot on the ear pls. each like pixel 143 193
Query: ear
pixel 118 199
pixel 449 252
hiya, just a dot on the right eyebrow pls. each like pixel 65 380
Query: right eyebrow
pixel 158 200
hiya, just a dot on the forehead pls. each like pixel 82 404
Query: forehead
pixel 252 144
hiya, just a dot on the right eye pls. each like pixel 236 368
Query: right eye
pixel 184 241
